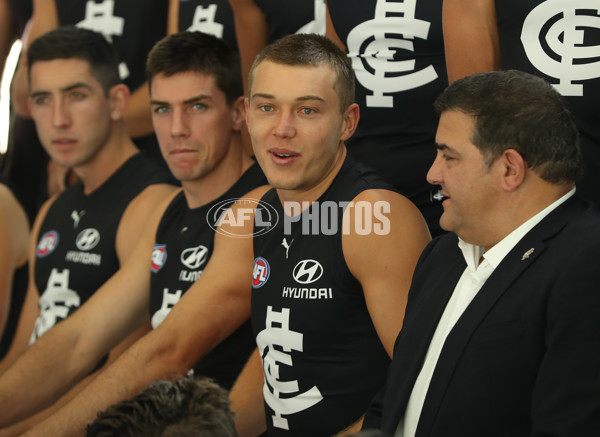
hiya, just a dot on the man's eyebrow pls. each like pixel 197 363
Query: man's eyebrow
pixel 262 95
pixel 76 85
pixel 65 89
pixel 197 98
pixel 193 99
pixel 309 97
pixel 444 148
pixel 299 99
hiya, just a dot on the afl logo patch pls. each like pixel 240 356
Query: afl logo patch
pixel 159 257
pixel 47 244
pixel 261 272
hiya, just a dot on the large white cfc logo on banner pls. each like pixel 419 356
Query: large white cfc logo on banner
pixel 553 37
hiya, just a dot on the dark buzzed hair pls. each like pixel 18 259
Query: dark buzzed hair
pixel 311 50
pixel 520 111
pixel 198 52
pixel 70 42
pixel 186 407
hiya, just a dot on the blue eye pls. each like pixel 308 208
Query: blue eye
pixel 307 111
pixel 40 100
pixel 266 108
pixel 199 106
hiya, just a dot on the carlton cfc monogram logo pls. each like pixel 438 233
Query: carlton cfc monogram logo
pixel 260 273
pixel 554 37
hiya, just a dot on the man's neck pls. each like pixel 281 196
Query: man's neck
pixel 109 158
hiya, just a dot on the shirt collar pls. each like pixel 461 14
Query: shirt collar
pixel 473 253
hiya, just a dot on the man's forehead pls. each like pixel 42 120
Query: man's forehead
pixel 63 74
pixel 307 80
pixel 188 82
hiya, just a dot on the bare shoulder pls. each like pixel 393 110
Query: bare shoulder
pixel 238 219
pixel 14 227
pixel 382 226
pixel 384 212
pixel 149 202
pixel 242 4
pixel 142 216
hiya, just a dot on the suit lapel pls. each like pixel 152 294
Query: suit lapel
pixel 419 326
pixel 514 264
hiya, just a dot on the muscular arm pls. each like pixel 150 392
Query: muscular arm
pixel 470 37
pixel 44 19
pixel 173 20
pixel 7 32
pixel 20 427
pixel 247 399
pixel 14 235
pixel 30 310
pixel 384 263
pixel 213 308
pixel 331 33
pixel 251 31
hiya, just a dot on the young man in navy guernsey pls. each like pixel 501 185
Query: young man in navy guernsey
pixel 81 237
pixel 197 111
pixel 502 329
pixel 330 279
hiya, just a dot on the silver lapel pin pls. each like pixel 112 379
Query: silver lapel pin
pixel 527 254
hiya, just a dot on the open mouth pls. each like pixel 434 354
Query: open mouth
pixel 283 155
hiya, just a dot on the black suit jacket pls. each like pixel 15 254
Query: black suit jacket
pixel 524 358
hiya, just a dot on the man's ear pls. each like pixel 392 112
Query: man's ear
pixel 514 169
pixel 118 96
pixel 350 121
pixel 238 112
pixel 246 107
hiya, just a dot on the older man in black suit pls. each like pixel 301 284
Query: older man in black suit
pixel 502 330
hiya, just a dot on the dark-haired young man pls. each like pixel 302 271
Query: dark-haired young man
pixel 330 280
pixel 502 328
pixel 197 110
pixel 81 237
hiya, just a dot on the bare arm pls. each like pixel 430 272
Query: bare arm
pixel 213 308
pixel 7 32
pixel 383 261
pixel 470 37
pixel 30 310
pixel 20 427
pixel 43 19
pixel 251 31
pixel 247 399
pixel 14 235
pixel 173 20
pixel 331 33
